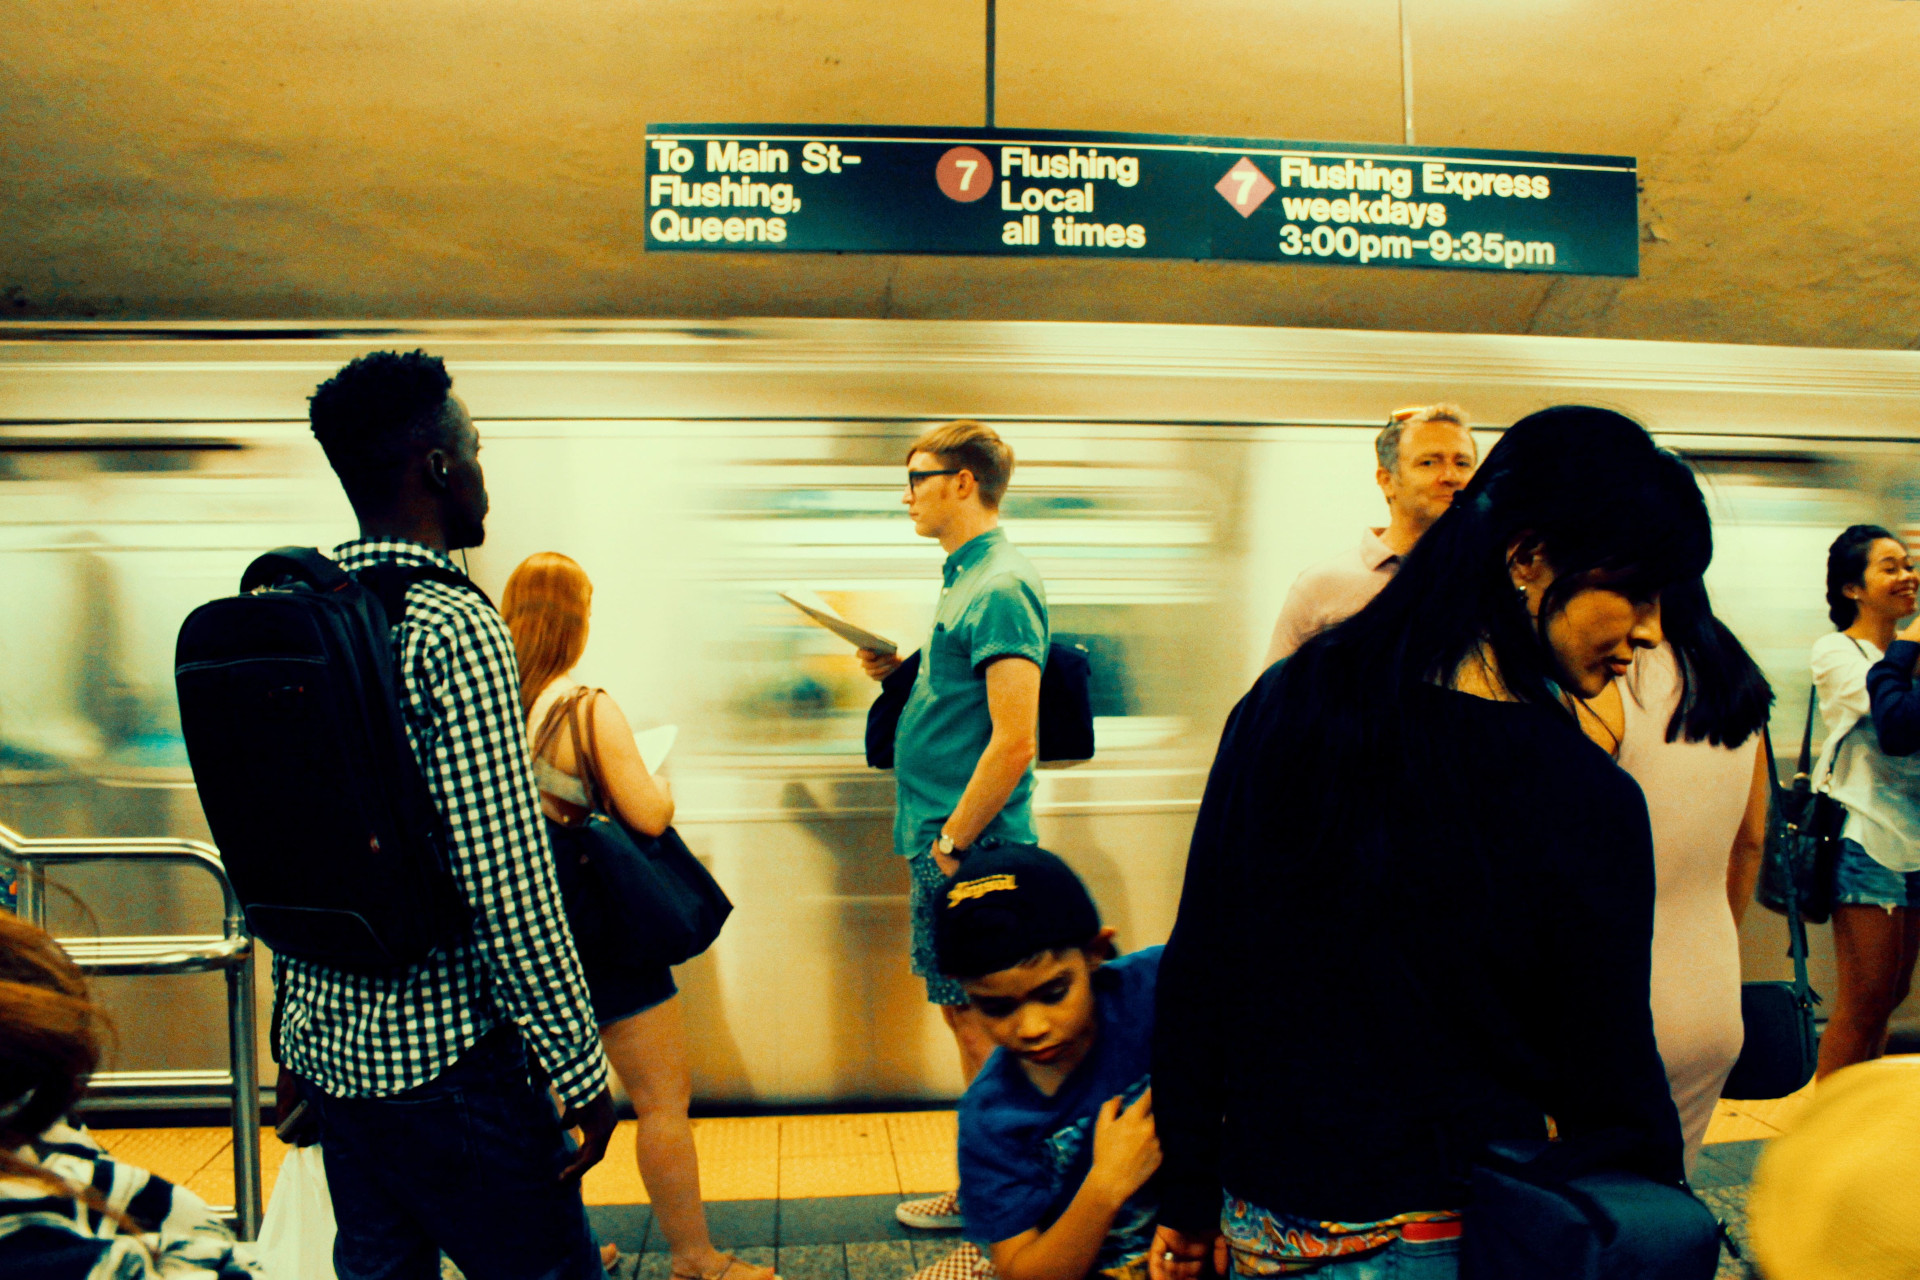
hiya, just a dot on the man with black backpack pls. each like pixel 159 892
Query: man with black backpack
pixel 434 1137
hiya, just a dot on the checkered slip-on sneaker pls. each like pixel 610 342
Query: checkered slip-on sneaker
pixel 964 1263
pixel 935 1213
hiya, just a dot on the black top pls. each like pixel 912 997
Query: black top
pixel 1896 704
pixel 1344 1050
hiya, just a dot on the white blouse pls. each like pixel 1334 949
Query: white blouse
pixel 1881 792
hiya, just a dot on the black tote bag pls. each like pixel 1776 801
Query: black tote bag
pixel 1781 1048
pixel 631 899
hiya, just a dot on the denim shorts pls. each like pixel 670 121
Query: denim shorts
pixel 1860 881
pixel 928 880
pixel 1401 1260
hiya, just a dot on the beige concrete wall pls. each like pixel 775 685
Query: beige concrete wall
pixel 449 158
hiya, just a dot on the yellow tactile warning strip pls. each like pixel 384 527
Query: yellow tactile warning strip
pixel 200 1160
pixel 760 1158
pixel 754 1158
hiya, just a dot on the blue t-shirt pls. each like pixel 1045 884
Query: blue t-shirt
pixel 1024 1155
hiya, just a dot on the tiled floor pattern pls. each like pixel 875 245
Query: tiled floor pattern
pixel 814 1195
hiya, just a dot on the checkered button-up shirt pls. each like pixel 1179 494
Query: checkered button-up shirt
pixel 375 1035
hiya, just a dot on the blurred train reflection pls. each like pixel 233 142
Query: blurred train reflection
pixel 1171 483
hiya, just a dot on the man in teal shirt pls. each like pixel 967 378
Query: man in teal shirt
pixel 964 752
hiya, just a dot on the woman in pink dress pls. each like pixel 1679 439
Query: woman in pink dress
pixel 1693 709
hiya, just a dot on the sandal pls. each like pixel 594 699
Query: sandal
pixel 733 1268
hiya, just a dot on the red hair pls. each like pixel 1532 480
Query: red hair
pixel 545 606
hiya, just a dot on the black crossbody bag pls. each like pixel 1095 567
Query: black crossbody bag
pixel 1803 839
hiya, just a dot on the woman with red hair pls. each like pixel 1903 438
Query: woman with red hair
pixel 546 606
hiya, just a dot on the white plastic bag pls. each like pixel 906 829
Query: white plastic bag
pixel 296 1237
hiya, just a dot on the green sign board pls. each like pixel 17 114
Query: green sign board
pixel 859 189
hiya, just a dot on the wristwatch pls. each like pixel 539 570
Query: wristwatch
pixel 946 846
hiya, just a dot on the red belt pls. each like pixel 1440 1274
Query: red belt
pixel 1415 1232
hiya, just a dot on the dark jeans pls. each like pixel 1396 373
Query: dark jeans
pixel 468 1163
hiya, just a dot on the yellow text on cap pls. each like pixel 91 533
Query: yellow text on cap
pixel 976 888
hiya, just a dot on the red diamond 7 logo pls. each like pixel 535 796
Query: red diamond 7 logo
pixel 1244 187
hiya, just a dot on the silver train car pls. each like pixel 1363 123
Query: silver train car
pixel 1171 483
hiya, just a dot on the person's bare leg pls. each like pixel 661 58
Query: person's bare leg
pixel 973 1041
pixel 1868 945
pixel 649 1053
pixel 1909 952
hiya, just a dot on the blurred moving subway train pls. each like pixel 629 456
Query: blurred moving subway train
pixel 1171 483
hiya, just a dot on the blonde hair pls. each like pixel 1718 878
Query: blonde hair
pixel 545 606
pixel 971 446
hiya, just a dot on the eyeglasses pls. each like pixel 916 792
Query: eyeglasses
pixel 1401 415
pixel 915 477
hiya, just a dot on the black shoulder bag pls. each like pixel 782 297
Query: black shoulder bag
pixel 1781 1048
pixel 1803 839
pixel 1066 708
pixel 632 900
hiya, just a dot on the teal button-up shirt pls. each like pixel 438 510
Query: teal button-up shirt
pixel 992 606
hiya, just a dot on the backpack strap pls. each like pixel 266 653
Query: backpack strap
pixel 389 584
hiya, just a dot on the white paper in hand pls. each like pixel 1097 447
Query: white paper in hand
pixel 654 745
pixel 820 611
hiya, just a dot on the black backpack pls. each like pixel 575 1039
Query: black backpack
pixel 290 707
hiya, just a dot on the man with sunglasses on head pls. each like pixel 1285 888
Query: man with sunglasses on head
pixel 1425 455
pixel 969 733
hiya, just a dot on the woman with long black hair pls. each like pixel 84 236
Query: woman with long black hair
pixel 1418 908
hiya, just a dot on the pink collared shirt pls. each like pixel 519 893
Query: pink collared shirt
pixel 1332 591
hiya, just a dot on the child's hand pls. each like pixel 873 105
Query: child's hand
pixel 1126 1150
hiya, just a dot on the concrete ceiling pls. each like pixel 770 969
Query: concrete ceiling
pixel 440 158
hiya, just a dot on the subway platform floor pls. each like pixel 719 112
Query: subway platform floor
pixel 813 1195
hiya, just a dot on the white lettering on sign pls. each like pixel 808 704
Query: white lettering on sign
pixel 668 226
pixel 1384 210
pixel 1093 235
pixel 1438 180
pixel 733 158
pixel 1052 199
pixel 728 193
pixel 1071 163
pixel 825 157
pixel 1349 176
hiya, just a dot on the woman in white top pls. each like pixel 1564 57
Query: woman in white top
pixel 1691 737
pixel 1871 585
pixel 546 605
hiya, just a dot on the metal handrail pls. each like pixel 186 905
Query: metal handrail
pixel 230 951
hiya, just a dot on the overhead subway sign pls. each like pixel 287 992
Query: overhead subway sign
pixel 859 189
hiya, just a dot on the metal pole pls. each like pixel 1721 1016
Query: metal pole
pixel 30 890
pixel 990 43
pixel 245 1052
pixel 1406 75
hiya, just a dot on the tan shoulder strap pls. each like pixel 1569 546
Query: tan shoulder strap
pixel 585 753
pixel 550 725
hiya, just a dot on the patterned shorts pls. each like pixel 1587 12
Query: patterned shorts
pixel 927 882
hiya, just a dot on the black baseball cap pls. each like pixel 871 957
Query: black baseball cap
pixel 1007 905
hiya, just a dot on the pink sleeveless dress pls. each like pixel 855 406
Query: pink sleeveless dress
pixel 1696 796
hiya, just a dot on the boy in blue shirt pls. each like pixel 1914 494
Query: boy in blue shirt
pixel 1057 1145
